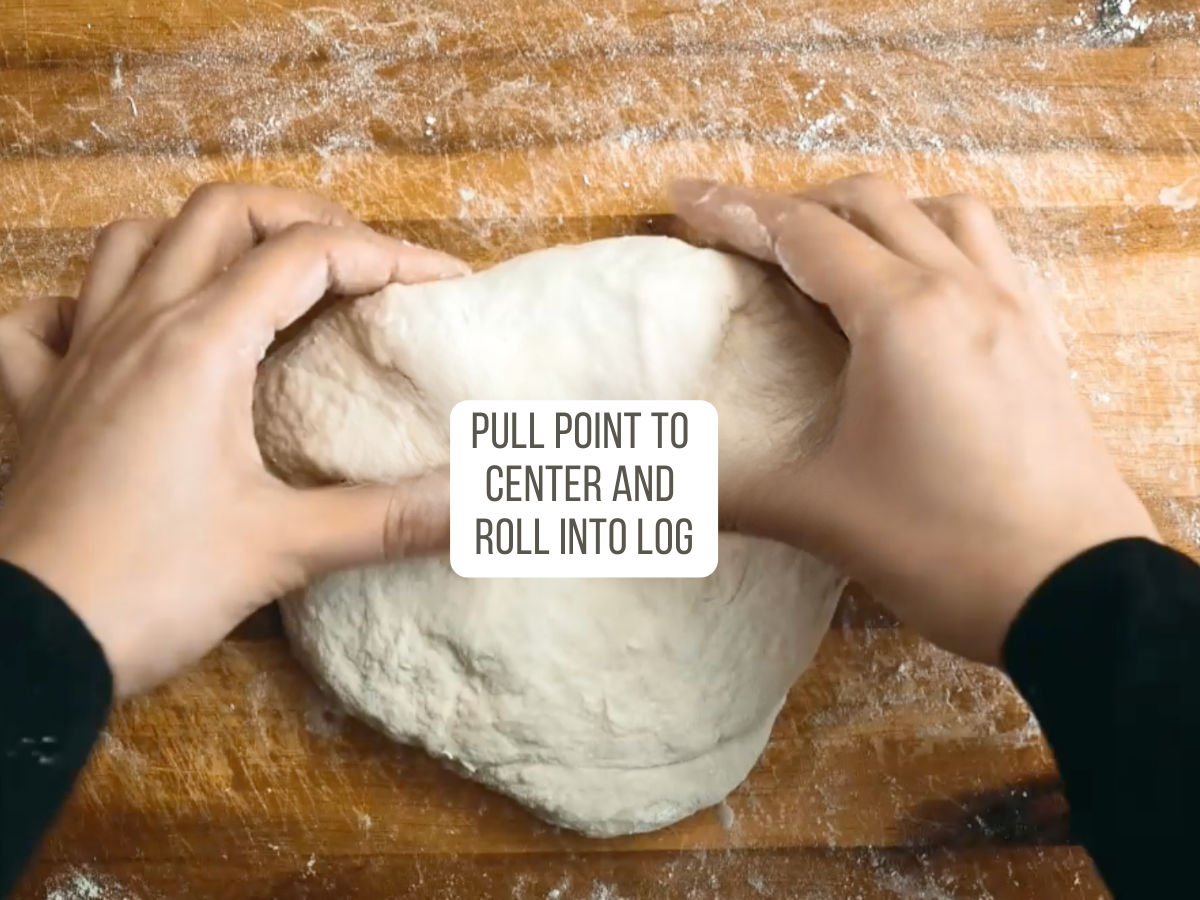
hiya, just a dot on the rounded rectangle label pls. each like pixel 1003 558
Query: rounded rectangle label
pixel 582 489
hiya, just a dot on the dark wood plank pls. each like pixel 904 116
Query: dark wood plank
pixel 885 742
pixel 851 99
pixel 60 29
pixel 534 186
pixel 293 873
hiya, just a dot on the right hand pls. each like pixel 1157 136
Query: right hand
pixel 962 469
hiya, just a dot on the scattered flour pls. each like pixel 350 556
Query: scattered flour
pixel 1186 519
pixel 322 718
pixel 83 884
pixel 602 891
pixel 1115 22
pixel 1181 197
pixel 119 752
pixel 1027 100
pixel 726 816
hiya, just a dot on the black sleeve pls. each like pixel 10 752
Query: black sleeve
pixel 1107 653
pixel 55 691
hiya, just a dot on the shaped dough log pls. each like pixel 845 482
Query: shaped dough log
pixel 609 706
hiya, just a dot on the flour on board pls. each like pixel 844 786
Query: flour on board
pixel 80 883
pixel 726 816
pixel 322 718
pixel 1181 197
pixel 602 891
pixel 337 83
pixel 1186 519
pixel 1115 22
pixel 119 752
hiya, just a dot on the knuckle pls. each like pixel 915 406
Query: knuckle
pixel 118 233
pixel 931 299
pixel 869 183
pixel 179 341
pixel 935 290
pixel 967 211
pixel 309 238
pixel 306 232
pixel 333 213
pixel 418 519
pixel 214 197
pixel 944 303
pixel 10 324
pixel 403 528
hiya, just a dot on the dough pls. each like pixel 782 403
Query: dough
pixel 607 706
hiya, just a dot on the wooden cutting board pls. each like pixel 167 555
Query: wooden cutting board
pixel 489 128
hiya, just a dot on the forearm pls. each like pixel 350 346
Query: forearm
pixel 1107 652
pixel 55 692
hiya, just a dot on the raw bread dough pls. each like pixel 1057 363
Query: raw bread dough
pixel 608 706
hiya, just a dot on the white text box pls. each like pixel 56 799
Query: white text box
pixel 572 489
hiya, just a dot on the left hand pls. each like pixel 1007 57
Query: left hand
pixel 139 495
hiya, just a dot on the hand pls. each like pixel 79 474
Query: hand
pixel 962 469
pixel 139 495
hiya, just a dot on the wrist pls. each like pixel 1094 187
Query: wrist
pixel 51 563
pixel 1033 563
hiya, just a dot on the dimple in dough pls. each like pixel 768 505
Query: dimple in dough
pixel 608 706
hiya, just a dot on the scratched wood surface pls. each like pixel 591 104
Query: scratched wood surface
pixel 490 128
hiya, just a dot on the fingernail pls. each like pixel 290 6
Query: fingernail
pixel 691 191
pixel 433 265
pixel 456 268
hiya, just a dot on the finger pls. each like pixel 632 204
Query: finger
pixel 32 342
pixel 218 224
pixel 274 284
pixel 121 248
pixel 731 217
pixel 970 224
pixel 878 207
pixel 1043 308
pixel 825 256
pixel 371 524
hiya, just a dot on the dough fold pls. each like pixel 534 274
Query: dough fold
pixel 609 706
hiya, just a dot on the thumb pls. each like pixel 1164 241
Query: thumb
pixel 371 524
pixel 824 255
pixel 33 340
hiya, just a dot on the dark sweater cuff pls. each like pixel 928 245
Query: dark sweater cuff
pixel 1106 654
pixel 55 692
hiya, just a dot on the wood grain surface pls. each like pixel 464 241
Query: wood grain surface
pixel 489 128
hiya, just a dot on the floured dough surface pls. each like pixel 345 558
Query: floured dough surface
pixel 609 706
